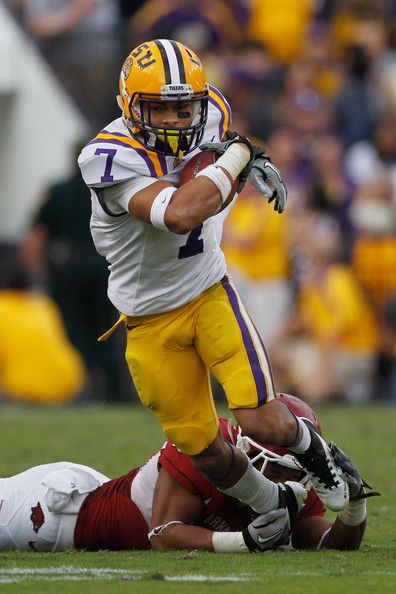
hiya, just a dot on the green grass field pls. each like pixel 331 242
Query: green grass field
pixel 113 440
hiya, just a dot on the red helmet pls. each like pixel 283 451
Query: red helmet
pixel 270 453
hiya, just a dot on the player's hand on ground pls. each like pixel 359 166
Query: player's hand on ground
pixel 350 473
pixel 268 531
pixel 273 529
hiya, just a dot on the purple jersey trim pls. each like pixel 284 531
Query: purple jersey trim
pixel 219 106
pixel 104 206
pixel 142 152
pixel 162 160
pixel 257 372
pixel 222 98
pixel 114 133
pixel 221 125
pixel 161 157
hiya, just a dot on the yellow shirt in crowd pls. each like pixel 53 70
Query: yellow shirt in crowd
pixel 273 22
pixel 255 239
pixel 37 362
pixel 374 262
pixel 337 308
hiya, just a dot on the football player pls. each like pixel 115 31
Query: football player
pixel 168 275
pixel 167 501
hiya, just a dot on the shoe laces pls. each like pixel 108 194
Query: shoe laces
pixel 319 464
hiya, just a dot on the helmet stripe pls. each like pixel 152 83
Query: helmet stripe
pixel 165 61
pixel 172 60
pixel 180 62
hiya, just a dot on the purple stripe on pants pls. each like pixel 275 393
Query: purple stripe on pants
pixel 258 374
pixel 267 357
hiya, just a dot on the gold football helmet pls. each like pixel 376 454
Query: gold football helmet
pixel 163 70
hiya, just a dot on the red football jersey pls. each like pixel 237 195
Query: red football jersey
pixel 109 519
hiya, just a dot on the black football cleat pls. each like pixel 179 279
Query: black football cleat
pixel 325 474
pixel 357 486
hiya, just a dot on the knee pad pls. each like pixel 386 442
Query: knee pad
pixel 192 439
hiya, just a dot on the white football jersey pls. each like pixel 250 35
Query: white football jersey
pixel 151 271
pixel 39 507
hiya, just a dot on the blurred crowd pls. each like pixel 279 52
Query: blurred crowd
pixel 314 81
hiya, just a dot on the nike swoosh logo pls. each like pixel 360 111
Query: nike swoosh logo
pixel 132 327
pixel 262 540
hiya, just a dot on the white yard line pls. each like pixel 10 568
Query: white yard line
pixel 18 574
pixel 69 573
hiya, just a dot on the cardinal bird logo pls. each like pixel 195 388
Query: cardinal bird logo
pixel 37 517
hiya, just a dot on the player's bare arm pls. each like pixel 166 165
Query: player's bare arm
pixel 193 202
pixel 175 509
pixel 190 205
pixel 348 529
pixel 310 532
pixel 174 505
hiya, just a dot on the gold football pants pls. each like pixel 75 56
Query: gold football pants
pixel 170 356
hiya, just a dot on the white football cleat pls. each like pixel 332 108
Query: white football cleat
pixel 325 474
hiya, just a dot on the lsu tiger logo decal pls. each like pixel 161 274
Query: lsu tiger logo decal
pixel 37 517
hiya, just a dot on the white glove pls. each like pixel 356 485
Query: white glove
pixel 268 180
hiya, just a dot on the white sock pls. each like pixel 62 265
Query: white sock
pixel 254 489
pixel 305 441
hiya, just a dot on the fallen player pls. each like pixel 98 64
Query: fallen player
pixel 168 504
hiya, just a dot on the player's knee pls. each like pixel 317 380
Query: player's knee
pixel 191 439
pixel 272 423
pixel 214 462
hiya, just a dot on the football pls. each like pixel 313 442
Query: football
pixel 199 162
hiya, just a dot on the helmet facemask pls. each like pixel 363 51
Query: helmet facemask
pixel 260 456
pixel 176 142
